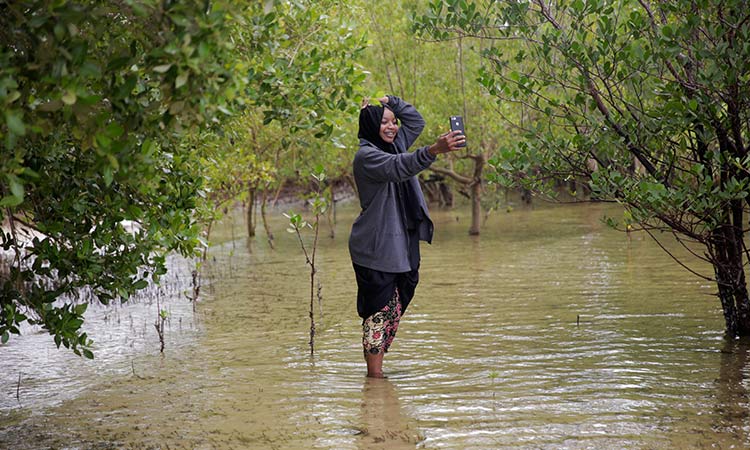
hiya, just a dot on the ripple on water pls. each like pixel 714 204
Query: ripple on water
pixel 548 331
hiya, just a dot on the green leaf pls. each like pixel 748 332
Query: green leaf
pixel 163 68
pixel 88 353
pixel 12 97
pixel 10 200
pixel 5 338
pixel 81 309
pixel 176 107
pixel 90 70
pixel 115 130
pixel 30 173
pixel 16 186
pixel 15 123
pixel 117 63
pixel 69 98
pixel 181 79
pixel 108 176
pixel 89 99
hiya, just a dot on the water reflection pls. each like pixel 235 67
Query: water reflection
pixel 732 390
pixel 384 426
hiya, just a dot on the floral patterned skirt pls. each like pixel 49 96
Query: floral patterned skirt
pixel 379 329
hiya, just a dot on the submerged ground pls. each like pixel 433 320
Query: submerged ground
pixel 548 331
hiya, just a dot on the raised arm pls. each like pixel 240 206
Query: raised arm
pixel 412 122
pixel 379 166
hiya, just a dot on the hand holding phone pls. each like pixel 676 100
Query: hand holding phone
pixel 457 123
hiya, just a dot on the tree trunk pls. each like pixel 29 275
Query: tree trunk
pixel 331 213
pixel 727 249
pixel 431 191
pixel 734 300
pixel 738 265
pixel 251 212
pixel 269 233
pixel 350 179
pixel 476 195
pixel 446 195
pixel 474 184
pixel 476 208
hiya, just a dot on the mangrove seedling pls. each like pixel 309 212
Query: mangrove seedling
pixel 319 205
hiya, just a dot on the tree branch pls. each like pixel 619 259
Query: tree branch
pixel 452 174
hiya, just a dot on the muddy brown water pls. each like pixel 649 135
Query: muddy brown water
pixel 548 331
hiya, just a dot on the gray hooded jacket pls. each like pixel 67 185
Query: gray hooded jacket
pixel 379 239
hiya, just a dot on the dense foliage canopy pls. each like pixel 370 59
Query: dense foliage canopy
pixel 96 187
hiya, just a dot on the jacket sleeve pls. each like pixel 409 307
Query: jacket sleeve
pixel 412 123
pixel 378 166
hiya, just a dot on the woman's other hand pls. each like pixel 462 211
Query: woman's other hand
pixel 448 142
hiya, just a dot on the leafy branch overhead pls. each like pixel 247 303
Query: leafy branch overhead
pixel 95 188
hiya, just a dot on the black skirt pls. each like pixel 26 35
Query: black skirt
pixel 376 288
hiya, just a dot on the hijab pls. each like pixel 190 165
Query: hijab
pixel 369 128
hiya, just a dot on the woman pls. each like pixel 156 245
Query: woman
pixel 384 242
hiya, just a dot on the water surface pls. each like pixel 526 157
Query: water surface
pixel 548 331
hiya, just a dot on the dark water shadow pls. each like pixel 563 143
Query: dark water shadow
pixel 383 424
pixel 732 399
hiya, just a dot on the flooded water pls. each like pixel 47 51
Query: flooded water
pixel 548 331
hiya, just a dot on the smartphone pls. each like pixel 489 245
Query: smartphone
pixel 457 123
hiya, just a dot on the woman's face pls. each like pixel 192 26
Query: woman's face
pixel 388 126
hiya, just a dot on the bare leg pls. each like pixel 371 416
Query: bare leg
pixel 375 364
